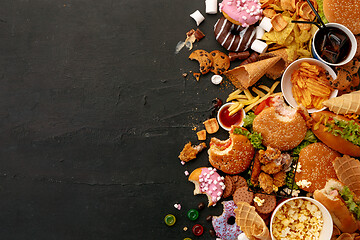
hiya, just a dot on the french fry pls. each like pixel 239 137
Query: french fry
pixel 248 94
pixel 235 97
pixel 258 92
pixel 240 106
pixel 271 90
pixel 236 92
pixel 234 106
pixel 263 87
pixel 247 102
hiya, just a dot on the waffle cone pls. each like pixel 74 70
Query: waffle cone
pixel 346 103
pixel 250 222
pixel 348 171
pixel 245 76
pixel 277 70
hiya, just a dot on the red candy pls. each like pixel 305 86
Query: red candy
pixel 197 230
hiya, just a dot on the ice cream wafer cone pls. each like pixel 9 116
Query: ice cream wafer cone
pixel 346 103
pixel 348 171
pixel 250 222
pixel 277 70
pixel 245 76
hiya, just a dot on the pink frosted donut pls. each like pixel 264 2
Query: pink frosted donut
pixel 241 12
pixel 208 181
pixel 224 225
pixel 233 37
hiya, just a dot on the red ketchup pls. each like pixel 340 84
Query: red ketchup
pixel 226 120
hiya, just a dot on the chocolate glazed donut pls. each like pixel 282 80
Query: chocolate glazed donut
pixel 233 37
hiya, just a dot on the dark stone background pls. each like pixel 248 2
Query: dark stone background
pixel 93 114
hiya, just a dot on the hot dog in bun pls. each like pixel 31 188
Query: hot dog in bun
pixel 337 132
pixel 342 204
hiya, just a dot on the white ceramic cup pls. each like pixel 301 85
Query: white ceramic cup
pixel 352 50
pixel 218 116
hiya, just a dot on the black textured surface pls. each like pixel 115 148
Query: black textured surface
pixel 93 114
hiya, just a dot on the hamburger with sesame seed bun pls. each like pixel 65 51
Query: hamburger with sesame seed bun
pixel 346 13
pixel 315 166
pixel 234 155
pixel 281 126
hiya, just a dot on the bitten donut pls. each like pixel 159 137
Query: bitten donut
pixel 208 181
pixel 233 37
pixel 241 12
pixel 224 225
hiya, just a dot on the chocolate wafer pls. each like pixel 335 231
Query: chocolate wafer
pixel 239 181
pixel 229 186
pixel 269 204
pixel 242 194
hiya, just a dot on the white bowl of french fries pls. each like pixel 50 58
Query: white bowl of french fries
pixel 306 82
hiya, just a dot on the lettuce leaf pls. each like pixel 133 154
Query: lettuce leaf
pixel 348 197
pixel 254 137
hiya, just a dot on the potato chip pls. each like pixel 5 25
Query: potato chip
pixel 304 26
pixel 305 11
pixel 286 5
pixel 270 13
pixel 266 3
pixel 295 37
pixel 310 85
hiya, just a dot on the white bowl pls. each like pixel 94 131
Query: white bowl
pixel 327 228
pixel 286 84
pixel 352 40
pixel 218 116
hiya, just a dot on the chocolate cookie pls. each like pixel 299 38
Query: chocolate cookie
pixel 269 204
pixel 242 194
pixel 221 62
pixel 204 58
pixel 229 186
pixel 342 81
pixel 239 181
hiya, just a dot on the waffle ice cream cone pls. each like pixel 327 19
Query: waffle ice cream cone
pixel 348 171
pixel 277 70
pixel 245 76
pixel 250 222
pixel 346 103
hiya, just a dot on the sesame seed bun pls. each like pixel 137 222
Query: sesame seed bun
pixel 316 166
pixel 283 132
pixel 233 159
pixel 346 13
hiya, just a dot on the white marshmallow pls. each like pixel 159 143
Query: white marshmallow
pixel 259 46
pixel 266 24
pixel 242 236
pixel 198 17
pixel 216 79
pixel 211 6
pixel 259 32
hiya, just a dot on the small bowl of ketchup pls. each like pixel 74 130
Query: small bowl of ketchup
pixel 226 121
pixel 335 46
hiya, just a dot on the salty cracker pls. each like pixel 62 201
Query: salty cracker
pixel 268 12
pixel 286 5
pixel 211 125
pixel 278 22
pixel 201 135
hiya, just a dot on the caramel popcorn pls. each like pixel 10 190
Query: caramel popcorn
pixel 298 219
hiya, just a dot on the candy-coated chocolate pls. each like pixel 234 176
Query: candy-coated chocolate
pixel 193 214
pixel 170 219
pixel 197 230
